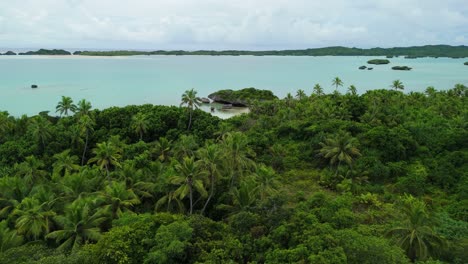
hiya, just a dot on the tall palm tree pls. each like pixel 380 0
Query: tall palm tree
pixel 83 108
pixel 237 155
pixel 415 233
pixel 12 191
pixel 300 94
pixel 352 90
pixel 210 160
pixel 266 180
pixel 40 129
pixel 289 99
pixel 65 163
pixel 340 148
pixel 117 198
pixel 65 105
pixel 32 221
pixel 189 177
pixel 86 124
pixel 163 147
pixel 79 224
pixel 318 90
pixel 140 124
pixel 337 82
pixel 106 155
pixel 397 85
pixel 31 169
pixel 190 99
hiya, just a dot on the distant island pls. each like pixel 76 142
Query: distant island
pixel 408 52
pixel 241 97
pixel 378 61
pixel 466 63
pixel 401 68
pixel 8 53
pixel 46 52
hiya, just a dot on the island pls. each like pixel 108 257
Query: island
pixel 241 98
pixel 378 61
pixel 466 63
pixel 401 68
pixel 8 53
pixel 46 52
pixel 362 67
pixel 415 51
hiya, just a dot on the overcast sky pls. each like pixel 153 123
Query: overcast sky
pixel 231 24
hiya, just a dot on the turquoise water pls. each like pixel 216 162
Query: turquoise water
pixel 120 81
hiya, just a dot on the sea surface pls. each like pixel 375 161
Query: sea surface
pixel 120 81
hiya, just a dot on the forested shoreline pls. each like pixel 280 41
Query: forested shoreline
pixel 380 177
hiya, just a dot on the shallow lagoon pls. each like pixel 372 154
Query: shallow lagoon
pixel 120 81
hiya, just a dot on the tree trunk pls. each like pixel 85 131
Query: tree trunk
pixel 211 192
pixel 141 135
pixel 337 167
pixel 108 176
pixel 190 120
pixel 191 195
pixel 84 149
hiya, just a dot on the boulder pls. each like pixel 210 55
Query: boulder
pixel 370 68
pixel 378 61
pixel 34 86
pixel 401 68
pixel 466 63
pixel 362 67
pixel 205 100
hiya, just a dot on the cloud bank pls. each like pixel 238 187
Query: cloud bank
pixel 229 24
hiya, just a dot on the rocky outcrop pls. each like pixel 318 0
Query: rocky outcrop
pixel 205 100
pixel 34 86
pixel 401 68
pixel 362 67
pixel 378 61
pixel 241 97
pixel 466 63
pixel 9 53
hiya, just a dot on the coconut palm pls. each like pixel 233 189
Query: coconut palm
pixel 12 191
pixel 79 224
pixel 340 148
pixel 31 170
pixel 163 147
pixel 8 238
pixel 397 85
pixel 117 198
pixel 106 155
pixel 140 124
pixel 32 220
pixel 266 180
pixel 65 163
pixel 352 90
pixel 243 197
pixel 237 155
pixel 40 129
pixel 415 233
pixel 83 108
pixel 300 94
pixel 210 160
pixel 289 99
pixel 65 106
pixel 337 82
pixel 318 90
pixel 190 178
pixel 172 201
pixel 190 99
pixel 86 124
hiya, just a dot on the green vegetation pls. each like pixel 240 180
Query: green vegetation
pixel 401 68
pixel 466 63
pixel 378 61
pixel 8 53
pixel 380 177
pixel 241 97
pixel 46 52
pixel 417 51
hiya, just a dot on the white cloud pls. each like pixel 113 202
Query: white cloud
pixel 241 24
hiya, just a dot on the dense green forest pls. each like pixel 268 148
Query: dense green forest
pixel 380 177
pixel 408 52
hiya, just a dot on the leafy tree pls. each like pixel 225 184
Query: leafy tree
pixel 237 154
pixel 40 129
pixel 65 163
pixel 267 181
pixel 8 238
pixel 65 105
pixel 210 160
pixel 190 99
pixel 31 170
pixel 32 221
pixel 117 198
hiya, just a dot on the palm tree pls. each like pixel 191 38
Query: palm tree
pixel 300 94
pixel 31 170
pixel 65 163
pixel 163 147
pixel 266 180
pixel 289 99
pixel 352 90
pixel 140 124
pixel 86 124
pixel 397 85
pixel 190 99
pixel 12 191
pixel 65 105
pixel 8 238
pixel 190 177
pixel 106 155
pixel 341 147
pixel 337 82
pixel 243 197
pixel 40 129
pixel 117 198
pixel 237 154
pixel 415 233
pixel 210 160
pixel 83 108
pixel 79 225
pixel 32 221
pixel 318 90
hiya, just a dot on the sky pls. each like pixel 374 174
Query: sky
pixel 231 24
